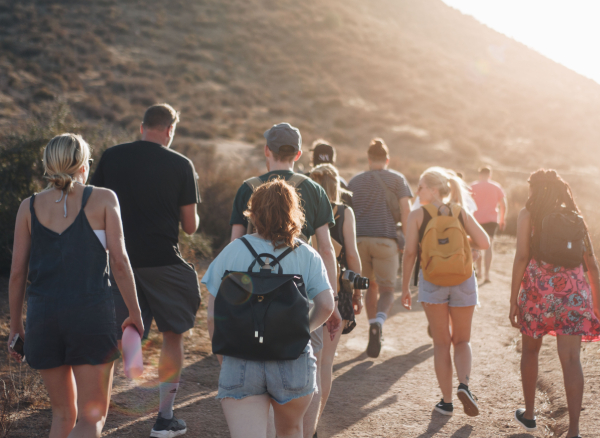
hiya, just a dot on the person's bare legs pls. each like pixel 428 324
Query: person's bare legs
pixel 327 357
pixel 247 418
pixel 529 372
pixel 461 318
pixel 170 365
pixel 311 417
pixel 568 351
pixel 488 260
pixel 478 267
pixel 289 417
pixel 371 299
pixel 94 384
pixel 60 384
pixel 386 299
pixel 438 318
pixel 171 358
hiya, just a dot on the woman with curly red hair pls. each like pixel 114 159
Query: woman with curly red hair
pixel 550 293
pixel 248 387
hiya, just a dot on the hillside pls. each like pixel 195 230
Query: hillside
pixel 433 82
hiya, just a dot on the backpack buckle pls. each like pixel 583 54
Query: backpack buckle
pixel 260 298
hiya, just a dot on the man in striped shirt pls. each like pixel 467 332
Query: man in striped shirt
pixel 376 235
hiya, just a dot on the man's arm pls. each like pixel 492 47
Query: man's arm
pixel 404 209
pixel 327 253
pixel 237 231
pixel 189 218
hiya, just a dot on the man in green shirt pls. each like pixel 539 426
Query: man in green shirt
pixel 282 150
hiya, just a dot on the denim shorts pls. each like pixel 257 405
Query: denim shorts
pixel 462 295
pixel 282 380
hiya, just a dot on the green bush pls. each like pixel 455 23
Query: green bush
pixel 21 168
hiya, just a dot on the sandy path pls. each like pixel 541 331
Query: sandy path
pixel 391 396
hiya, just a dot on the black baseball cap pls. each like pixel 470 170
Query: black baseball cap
pixel 283 134
pixel 323 153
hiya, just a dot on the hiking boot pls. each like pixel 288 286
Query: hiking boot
pixel 468 400
pixel 444 408
pixel 374 346
pixel 528 425
pixel 170 428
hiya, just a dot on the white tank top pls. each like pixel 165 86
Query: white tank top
pixel 101 234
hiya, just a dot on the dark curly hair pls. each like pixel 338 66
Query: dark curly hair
pixel 549 193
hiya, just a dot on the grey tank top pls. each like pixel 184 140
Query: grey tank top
pixel 68 266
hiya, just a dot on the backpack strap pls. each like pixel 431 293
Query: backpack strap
pixel 254 183
pixel 262 264
pixel 296 179
pixel 427 209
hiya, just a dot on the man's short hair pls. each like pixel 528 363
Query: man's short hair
pixel 286 153
pixel 378 151
pixel 485 170
pixel 160 116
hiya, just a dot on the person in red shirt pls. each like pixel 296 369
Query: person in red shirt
pixel 491 211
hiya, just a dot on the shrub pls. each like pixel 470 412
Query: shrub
pixel 21 169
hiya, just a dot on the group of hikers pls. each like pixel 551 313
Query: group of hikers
pixel 95 259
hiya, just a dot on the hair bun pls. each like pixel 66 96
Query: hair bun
pixel 61 181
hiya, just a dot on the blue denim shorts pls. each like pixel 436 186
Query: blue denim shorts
pixel 283 380
pixel 462 295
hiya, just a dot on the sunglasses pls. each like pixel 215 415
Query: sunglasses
pixel 90 162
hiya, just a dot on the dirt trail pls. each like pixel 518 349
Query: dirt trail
pixel 391 396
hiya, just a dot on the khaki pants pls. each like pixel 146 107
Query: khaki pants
pixel 379 259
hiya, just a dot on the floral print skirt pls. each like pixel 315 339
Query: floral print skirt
pixel 557 301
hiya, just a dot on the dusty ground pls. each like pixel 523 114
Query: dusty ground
pixel 391 396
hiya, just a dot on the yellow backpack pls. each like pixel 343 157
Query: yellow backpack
pixel 446 258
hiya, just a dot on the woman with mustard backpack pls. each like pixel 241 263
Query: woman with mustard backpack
pixel 441 234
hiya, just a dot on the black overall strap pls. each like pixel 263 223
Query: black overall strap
pixel 31 201
pixel 87 191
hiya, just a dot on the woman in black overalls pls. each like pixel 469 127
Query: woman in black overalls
pixel 62 236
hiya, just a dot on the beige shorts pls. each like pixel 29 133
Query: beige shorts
pixel 379 259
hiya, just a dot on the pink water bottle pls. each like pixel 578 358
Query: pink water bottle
pixel 132 353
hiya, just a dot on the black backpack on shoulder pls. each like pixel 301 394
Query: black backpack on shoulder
pixel 261 316
pixel 562 239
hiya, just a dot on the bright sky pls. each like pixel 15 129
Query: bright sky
pixel 566 31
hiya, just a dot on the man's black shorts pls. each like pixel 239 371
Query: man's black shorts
pixel 168 294
pixel 490 228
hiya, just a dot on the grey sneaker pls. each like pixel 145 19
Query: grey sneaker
pixel 170 428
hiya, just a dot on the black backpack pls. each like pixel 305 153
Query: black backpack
pixel 261 316
pixel 562 239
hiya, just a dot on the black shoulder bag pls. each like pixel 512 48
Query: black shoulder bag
pixel 261 316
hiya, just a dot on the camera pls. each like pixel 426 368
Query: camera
pixel 357 281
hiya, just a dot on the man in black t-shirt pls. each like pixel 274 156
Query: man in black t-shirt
pixel 157 189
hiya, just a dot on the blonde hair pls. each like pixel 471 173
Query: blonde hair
pixel 327 176
pixel 450 187
pixel 63 157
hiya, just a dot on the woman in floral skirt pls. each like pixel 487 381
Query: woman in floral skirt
pixel 551 299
